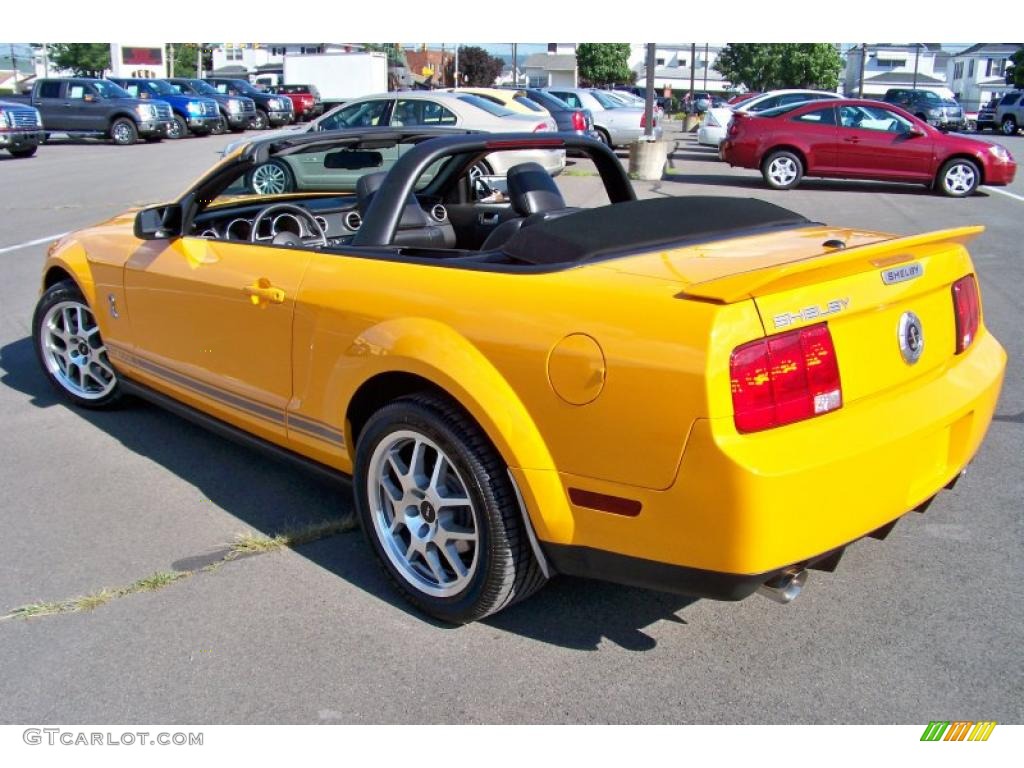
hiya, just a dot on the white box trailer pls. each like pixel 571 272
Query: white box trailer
pixel 339 76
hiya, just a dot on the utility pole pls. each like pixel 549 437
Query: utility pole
pixel 917 53
pixel 170 59
pixel 456 73
pixel 515 66
pixel 863 63
pixel 705 67
pixel 693 57
pixel 199 60
pixel 649 98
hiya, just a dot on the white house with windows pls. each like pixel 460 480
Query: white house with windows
pixel 978 74
pixel 674 63
pixel 555 68
pixel 896 65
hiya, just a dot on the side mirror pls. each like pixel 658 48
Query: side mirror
pixel 490 189
pixel 159 222
pixel 143 95
pixel 89 97
pixel 914 131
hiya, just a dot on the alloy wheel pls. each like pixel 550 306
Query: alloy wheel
pixel 269 179
pixel 959 179
pixel 782 171
pixel 422 514
pixel 74 353
pixel 122 133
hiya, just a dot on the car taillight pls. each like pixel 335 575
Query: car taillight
pixel 785 378
pixel 967 307
pixel 734 128
pixel 579 123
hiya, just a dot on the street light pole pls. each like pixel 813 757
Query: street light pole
pixel 863 63
pixel 649 98
pixel 917 53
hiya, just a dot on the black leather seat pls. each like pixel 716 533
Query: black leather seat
pixel 534 196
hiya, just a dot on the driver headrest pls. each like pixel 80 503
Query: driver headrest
pixel 532 190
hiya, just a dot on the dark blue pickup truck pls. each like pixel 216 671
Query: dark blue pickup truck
pixel 236 112
pixel 271 110
pixel 85 106
pixel 196 114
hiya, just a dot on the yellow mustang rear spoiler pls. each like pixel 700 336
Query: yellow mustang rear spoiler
pixel 824 267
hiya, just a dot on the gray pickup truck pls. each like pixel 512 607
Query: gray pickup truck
pixel 84 106
pixel 21 129
pixel 1009 116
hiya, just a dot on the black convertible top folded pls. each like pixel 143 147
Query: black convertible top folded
pixel 644 225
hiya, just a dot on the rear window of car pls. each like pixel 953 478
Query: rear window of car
pixel 529 103
pixel 607 101
pixel 495 109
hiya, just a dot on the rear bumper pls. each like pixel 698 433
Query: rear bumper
pixel 743 508
pixel 710 136
pixel 552 160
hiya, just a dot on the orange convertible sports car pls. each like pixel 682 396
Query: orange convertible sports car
pixel 707 395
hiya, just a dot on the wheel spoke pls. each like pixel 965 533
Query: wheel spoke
pixel 457 534
pixel 416 471
pixel 433 561
pixel 458 567
pixel 436 474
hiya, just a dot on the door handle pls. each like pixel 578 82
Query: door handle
pixel 262 291
pixel 488 219
pixel 852 140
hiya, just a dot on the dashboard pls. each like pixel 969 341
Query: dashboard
pixel 339 217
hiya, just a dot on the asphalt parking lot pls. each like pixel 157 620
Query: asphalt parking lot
pixel 926 625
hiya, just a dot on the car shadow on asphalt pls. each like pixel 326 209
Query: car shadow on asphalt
pixel 269 495
pixel 832 185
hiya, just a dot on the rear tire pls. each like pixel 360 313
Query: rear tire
pixel 458 561
pixel 782 169
pixel 958 177
pixel 25 152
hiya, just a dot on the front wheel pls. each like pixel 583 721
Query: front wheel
pixel 1009 126
pixel 178 129
pixel 959 177
pixel 23 152
pixel 262 120
pixel 123 132
pixel 70 350
pixel 219 127
pixel 605 137
pixel 439 510
pixel 782 170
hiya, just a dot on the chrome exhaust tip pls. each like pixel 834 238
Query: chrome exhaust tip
pixel 785 588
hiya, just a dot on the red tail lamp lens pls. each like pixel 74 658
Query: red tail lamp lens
pixel 785 378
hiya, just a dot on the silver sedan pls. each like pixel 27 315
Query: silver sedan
pixel 615 123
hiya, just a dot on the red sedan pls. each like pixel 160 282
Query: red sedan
pixel 860 139
pixel 305 99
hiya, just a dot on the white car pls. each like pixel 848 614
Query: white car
pixel 716 120
pixel 439 109
pixel 615 123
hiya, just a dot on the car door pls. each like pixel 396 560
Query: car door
pixel 818 134
pixel 83 114
pixel 53 105
pixel 875 142
pixel 212 323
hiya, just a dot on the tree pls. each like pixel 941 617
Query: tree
pixel 604 63
pixel 1015 74
pixel 84 59
pixel 185 59
pixel 477 67
pixel 767 66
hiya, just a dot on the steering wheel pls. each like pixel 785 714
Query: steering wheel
pixel 295 210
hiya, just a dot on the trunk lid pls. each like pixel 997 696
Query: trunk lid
pixel 862 291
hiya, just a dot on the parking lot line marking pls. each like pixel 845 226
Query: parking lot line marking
pixel 1004 192
pixel 8 248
